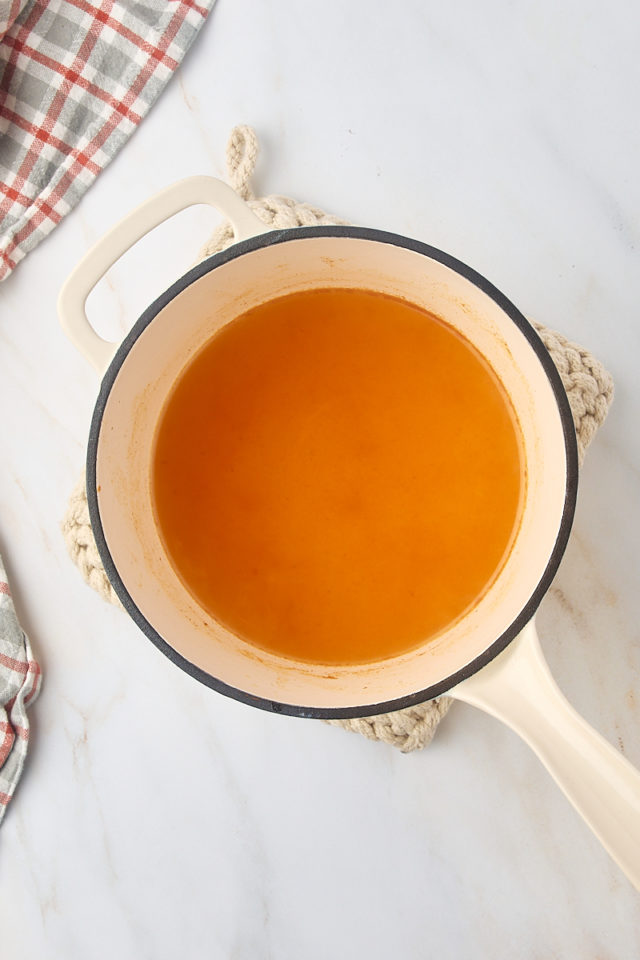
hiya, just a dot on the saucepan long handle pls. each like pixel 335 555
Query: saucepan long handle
pixel 151 213
pixel 603 786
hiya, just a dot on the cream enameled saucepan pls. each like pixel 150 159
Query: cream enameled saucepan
pixel 491 657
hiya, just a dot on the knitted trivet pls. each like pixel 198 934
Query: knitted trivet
pixel 588 385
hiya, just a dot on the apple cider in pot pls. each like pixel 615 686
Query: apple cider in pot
pixel 337 476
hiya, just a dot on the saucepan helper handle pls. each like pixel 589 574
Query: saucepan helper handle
pixel 517 688
pixel 151 213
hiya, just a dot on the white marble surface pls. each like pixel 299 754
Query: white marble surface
pixel 157 819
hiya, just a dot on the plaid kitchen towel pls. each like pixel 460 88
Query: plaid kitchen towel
pixel 19 686
pixel 76 78
pixel 9 10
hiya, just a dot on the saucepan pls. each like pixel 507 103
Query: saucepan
pixel 491 657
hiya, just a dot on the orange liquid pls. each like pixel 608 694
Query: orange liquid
pixel 337 476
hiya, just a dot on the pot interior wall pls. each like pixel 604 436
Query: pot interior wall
pixel 166 345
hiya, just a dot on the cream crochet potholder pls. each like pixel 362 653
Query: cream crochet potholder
pixel 588 385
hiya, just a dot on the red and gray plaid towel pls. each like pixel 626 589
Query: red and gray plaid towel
pixel 19 686
pixel 9 10
pixel 76 78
